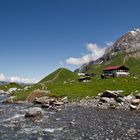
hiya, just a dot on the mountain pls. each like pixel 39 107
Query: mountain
pixel 3 82
pixel 60 75
pixel 125 51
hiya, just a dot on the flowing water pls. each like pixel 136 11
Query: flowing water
pixel 71 123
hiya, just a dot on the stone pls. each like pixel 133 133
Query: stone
pixel 42 100
pixel 137 95
pixel 135 102
pixel 105 100
pixel 65 99
pixel 45 106
pixel 52 101
pixel 112 106
pixel 9 100
pixel 129 98
pixel 34 112
pixel 133 107
pixel 58 103
pixel 120 99
pixel 12 90
pixel 2 91
pixel 21 102
pixel 110 94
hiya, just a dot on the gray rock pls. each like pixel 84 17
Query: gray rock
pixel 105 100
pixel 110 94
pixel 135 102
pixel 133 107
pixel 137 95
pixel 45 106
pixel 34 112
pixel 9 100
pixel 12 89
pixel 2 91
pixel 65 99
pixel 42 100
pixel 58 103
pixel 129 98
pixel 120 99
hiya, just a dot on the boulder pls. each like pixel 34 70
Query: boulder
pixel 105 100
pixel 133 107
pixel 58 103
pixel 45 106
pixel 34 112
pixel 2 91
pixel 137 95
pixel 9 100
pixel 110 94
pixel 135 102
pixel 42 100
pixel 65 99
pixel 12 90
pixel 52 101
pixel 120 99
pixel 21 102
pixel 129 98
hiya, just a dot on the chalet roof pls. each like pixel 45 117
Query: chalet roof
pixel 116 68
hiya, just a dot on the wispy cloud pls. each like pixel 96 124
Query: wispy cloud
pixel 16 79
pixel 94 52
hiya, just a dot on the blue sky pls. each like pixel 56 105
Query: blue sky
pixel 38 36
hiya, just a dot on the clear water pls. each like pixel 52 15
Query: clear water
pixel 71 123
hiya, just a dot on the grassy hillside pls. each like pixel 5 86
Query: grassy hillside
pixel 121 59
pixel 60 75
pixel 63 82
pixel 81 90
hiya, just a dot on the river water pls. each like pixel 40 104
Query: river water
pixel 71 123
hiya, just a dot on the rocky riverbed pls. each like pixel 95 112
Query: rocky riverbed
pixel 73 121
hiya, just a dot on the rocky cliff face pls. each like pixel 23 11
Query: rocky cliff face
pixel 128 43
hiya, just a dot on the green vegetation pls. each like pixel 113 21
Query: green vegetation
pixel 60 76
pixel 81 90
pixel 121 59
pixel 63 82
pixel 10 85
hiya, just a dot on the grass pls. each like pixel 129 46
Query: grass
pixel 78 90
pixel 81 90
pixel 65 83
pixel 10 85
pixel 60 75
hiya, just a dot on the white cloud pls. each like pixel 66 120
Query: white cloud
pixel 17 79
pixel 95 52
pixel 2 77
pixel 22 80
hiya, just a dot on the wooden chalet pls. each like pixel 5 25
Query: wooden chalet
pixel 115 71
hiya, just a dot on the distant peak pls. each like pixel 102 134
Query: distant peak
pixel 135 31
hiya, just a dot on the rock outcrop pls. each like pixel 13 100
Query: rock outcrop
pixel 34 112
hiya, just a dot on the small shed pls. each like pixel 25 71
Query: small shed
pixel 85 79
pixel 115 71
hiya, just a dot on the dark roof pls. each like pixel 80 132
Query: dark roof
pixel 116 68
pixel 85 77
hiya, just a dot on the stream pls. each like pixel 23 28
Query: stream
pixel 70 123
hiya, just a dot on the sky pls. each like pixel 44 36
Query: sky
pixel 39 36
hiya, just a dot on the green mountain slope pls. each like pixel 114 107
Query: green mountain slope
pixel 60 75
pixel 129 60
